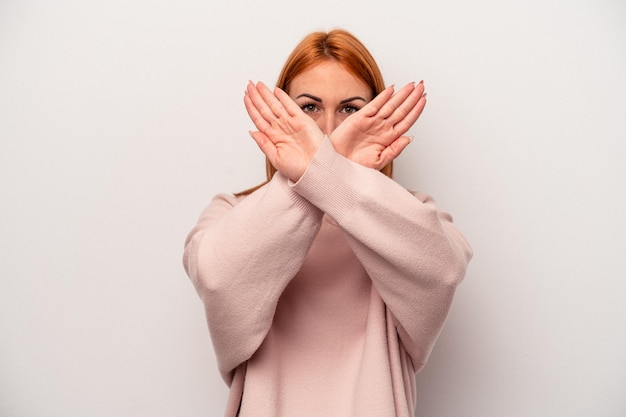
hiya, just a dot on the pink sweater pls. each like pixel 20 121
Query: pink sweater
pixel 325 297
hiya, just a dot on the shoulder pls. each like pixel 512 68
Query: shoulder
pixel 227 199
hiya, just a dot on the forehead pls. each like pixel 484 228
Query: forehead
pixel 331 79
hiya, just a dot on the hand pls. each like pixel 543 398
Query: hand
pixel 286 135
pixel 373 136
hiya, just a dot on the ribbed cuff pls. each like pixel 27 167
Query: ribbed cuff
pixel 330 182
pixel 296 199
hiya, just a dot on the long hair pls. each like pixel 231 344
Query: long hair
pixel 336 45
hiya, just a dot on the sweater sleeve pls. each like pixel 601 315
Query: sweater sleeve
pixel 240 256
pixel 412 251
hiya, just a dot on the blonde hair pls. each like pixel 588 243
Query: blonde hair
pixel 336 45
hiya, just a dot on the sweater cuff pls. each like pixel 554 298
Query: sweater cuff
pixel 297 200
pixel 332 182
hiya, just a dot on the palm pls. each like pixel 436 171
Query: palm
pixel 373 136
pixel 286 135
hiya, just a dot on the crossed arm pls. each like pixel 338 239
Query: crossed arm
pixel 412 251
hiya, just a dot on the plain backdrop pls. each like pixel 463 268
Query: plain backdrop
pixel 119 120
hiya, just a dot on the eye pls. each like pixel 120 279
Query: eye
pixel 349 109
pixel 309 108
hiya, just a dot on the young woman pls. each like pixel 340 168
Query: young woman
pixel 326 287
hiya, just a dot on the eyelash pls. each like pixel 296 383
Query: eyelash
pixel 312 107
pixel 309 107
pixel 352 108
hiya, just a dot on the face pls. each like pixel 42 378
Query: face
pixel 329 93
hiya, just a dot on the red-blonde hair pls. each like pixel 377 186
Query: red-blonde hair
pixel 336 45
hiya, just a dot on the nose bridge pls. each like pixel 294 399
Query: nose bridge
pixel 329 122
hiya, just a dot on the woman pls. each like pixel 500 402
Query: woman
pixel 326 287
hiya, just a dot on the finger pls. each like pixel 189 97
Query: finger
pixel 392 151
pixel 277 108
pixel 411 117
pixel 265 144
pixel 256 117
pixel 259 103
pixel 408 105
pixel 396 101
pixel 371 108
pixel 292 108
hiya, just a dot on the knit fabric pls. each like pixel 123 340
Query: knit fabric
pixel 324 297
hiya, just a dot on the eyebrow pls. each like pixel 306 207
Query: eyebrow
pixel 319 100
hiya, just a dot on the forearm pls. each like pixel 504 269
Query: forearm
pixel 411 250
pixel 240 256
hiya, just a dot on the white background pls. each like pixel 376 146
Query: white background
pixel 119 120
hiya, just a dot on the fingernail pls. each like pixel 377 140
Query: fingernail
pixel 411 137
